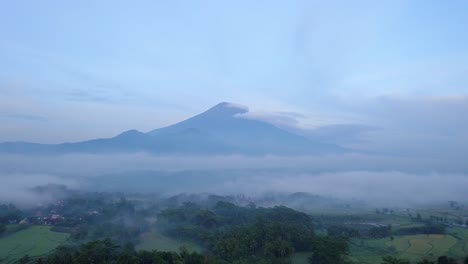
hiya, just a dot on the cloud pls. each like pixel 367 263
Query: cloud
pixel 376 181
pixel 95 164
pixel 342 134
pixel 279 119
pixel 387 188
pixel 385 180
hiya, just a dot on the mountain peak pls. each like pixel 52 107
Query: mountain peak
pixel 227 109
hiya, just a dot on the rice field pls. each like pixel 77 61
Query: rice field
pixel 33 241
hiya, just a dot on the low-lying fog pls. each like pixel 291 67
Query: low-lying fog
pixel 378 180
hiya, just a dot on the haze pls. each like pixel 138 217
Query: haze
pixel 380 88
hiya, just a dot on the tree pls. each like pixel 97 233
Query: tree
pixel 279 249
pixel 418 217
pixel 24 259
pixel 426 261
pixel 2 228
pixel 342 231
pixel 328 250
pixel 446 260
pixel 393 260
pixel 466 260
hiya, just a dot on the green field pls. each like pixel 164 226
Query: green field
pixel 155 241
pixel 413 247
pixel 33 241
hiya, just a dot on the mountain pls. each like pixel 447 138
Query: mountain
pixel 221 130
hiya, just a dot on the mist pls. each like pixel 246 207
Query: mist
pixel 21 190
pixel 377 180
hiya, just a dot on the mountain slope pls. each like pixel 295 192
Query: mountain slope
pixel 220 130
pixel 224 122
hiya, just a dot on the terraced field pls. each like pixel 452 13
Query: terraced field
pixel 33 241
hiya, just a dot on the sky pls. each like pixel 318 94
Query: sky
pixel 72 71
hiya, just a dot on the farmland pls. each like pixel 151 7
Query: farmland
pixel 32 241
pixel 399 243
pixel 413 247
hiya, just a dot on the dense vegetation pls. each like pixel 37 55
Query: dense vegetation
pixel 104 227
pixel 105 251
pixel 251 234
pixel 428 228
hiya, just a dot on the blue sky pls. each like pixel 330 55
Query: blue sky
pixel 76 70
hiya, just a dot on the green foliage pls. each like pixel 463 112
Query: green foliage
pixel 327 250
pixel 105 251
pixel 380 232
pixel 426 261
pixel 429 228
pixel 9 212
pixel 24 260
pixel 99 216
pixel 237 233
pixel 394 260
pixel 446 260
pixel 342 231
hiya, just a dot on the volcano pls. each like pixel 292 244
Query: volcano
pixel 221 130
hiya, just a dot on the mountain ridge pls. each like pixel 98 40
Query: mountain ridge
pixel 220 130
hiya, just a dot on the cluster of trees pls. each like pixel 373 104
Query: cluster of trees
pixel 8 212
pixel 98 216
pixel 440 260
pixel 428 228
pixel 87 216
pixel 105 251
pixel 251 234
pixel 380 231
pixel 342 231
pixel 364 232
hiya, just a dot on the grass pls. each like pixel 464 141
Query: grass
pixel 442 246
pixel 420 245
pixel 155 241
pixel 460 249
pixel 400 244
pixel 32 241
